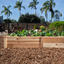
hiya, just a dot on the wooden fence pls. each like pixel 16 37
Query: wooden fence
pixel 4 26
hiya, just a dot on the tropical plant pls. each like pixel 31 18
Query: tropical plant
pixel 50 5
pixel 45 8
pixel 57 15
pixel 42 19
pixel 7 12
pixel 19 6
pixel 33 5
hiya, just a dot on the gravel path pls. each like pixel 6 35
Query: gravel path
pixel 31 56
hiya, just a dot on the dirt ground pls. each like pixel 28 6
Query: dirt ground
pixel 31 55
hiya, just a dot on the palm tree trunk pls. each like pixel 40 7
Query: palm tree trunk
pixel 8 23
pixel 20 12
pixel 46 17
pixel 35 14
pixel 35 11
pixel 18 22
pixel 51 17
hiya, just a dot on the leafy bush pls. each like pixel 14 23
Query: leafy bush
pixel 58 25
pixel 35 26
pixel 29 18
pixel 42 28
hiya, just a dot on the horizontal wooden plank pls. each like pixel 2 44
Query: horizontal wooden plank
pixel 53 40
pixel 11 39
pixel 27 37
pixel 23 46
pixel 53 37
pixel 56 45
pixel 22 42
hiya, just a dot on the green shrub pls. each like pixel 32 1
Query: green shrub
pixel 58 25
pixel 42 28
pixel 35 26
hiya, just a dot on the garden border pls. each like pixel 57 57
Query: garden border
pixel 33 42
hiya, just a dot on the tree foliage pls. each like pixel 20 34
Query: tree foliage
pixel 29 18
pixel 6 10
pixel 57 15
pixel 9 20
pixel 33 5
pixel 48 5
pixel 42 19
pixel 19 5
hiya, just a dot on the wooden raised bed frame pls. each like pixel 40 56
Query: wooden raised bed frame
pixel 22 42
pixel 33 42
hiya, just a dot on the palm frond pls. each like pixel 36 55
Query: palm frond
pixel 37 2
pixel 8 6
pixel 3 6
pixel 2 12
pixel 10 12
pixel 53 4
pixel 31 5
pixel 6 13
pixel 41 10
pixel 23 7
pixel 15 6
pixel 46 10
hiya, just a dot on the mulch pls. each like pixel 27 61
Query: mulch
pixel 32 56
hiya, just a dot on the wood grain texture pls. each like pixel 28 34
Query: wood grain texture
pixel 28 42
pixel 51 45
pixel 21 42
pixel 5 42
pixel 13 39
pixel 53 39
pixel 23 45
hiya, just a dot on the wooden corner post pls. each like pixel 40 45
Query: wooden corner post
pixel 41 42
pixel 5 42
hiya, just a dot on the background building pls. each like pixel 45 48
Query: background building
pixel 1 19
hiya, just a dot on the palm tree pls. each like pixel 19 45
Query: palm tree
pixel 19 6
pixel 7 12
pixel 33 5
pixel 51 4
pixel 45 8
pixel 57 15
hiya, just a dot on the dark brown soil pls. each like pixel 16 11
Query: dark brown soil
pixel 31 56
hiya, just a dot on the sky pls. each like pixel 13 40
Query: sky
pixel 15 12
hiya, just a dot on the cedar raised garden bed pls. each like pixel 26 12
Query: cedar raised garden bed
pixel 22 42
pixel 33 42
